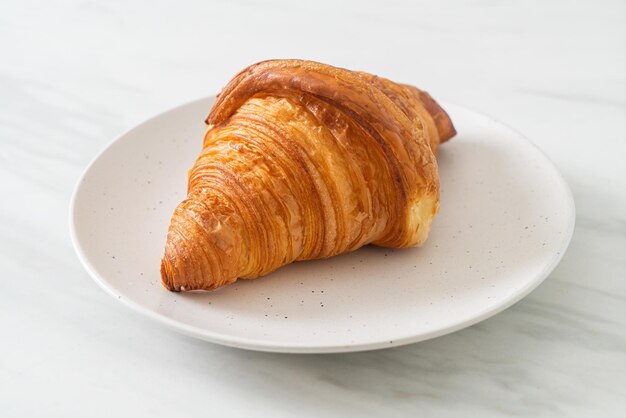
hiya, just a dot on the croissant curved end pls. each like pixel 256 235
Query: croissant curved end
pixel 421 215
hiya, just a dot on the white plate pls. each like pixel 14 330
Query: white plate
pixel 506 218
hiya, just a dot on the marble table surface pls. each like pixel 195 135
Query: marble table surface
pixel 75 74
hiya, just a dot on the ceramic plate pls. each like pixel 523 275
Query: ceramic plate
pixel 506 218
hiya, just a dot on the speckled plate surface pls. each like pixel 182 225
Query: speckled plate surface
pixel 506 219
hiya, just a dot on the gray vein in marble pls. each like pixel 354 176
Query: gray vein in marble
pixel 582 98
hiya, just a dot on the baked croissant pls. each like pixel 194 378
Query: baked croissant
pixel 303 160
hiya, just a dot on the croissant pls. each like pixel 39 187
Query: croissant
pixel 300 161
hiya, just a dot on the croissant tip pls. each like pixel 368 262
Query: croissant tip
pixel 166 280
pixel 452 131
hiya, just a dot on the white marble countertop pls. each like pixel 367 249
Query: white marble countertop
pixel 75 74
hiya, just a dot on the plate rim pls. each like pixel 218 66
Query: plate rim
pixel 294 347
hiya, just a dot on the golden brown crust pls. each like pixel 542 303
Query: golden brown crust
pixel 303 160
